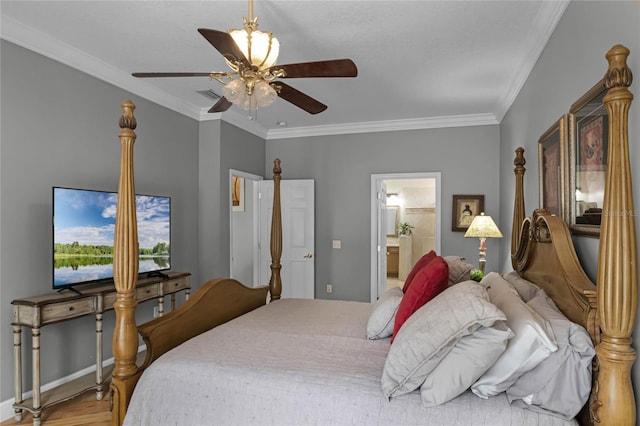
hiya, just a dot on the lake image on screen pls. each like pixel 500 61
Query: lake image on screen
pixel 84 225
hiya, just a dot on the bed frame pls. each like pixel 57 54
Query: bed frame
pixel 541 247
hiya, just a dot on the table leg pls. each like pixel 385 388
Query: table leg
pixel 17 370
pixel 99 378
pixel 35 344
pixel 160 306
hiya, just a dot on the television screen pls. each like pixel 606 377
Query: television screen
pixel 84 223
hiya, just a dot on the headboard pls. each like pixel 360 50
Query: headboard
pixel 542 252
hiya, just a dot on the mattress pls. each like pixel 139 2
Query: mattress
pixel 296 362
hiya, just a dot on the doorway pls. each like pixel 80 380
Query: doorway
pixel 244 227
pixel 412 199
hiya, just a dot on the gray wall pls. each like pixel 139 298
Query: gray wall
pixel 572 62
pixel 228 148
pixel 342 166
pixel 60 127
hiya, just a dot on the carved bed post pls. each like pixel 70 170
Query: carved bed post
pixel 275 284
pixel 125 273
pixel 617 277
pixel 518 205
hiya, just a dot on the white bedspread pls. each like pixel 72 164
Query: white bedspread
pixel 296 362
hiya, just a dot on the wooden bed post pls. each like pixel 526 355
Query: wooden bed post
pixel 125 273
pixel 518 205
pixel 617 277
pixel 275 283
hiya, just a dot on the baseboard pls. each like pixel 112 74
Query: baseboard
pixel 6 407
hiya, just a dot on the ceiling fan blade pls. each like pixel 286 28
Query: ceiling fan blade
pixel 223 42
pixel 170 74
pixel 222 105
pixel 330 68
pixel 299 99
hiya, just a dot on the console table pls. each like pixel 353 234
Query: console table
pixel 38 311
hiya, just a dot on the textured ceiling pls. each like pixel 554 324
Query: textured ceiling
pixel 421 63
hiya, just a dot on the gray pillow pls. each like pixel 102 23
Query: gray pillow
pixel 468 360
pixel 429 334
pixel 526 289
pixel 533 342
pixel 382 318
pixel 559 385
pixel 459 269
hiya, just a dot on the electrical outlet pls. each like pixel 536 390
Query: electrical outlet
pixel 155 312
pixel 329 288
pixel 337 244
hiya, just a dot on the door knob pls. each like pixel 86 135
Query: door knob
pixel 308 256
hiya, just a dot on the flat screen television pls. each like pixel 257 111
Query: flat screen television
pixel 84 223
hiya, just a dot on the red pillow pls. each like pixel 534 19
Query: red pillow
pixel 424 261
pixel 427 284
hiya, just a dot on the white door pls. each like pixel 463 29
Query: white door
pixel 298 236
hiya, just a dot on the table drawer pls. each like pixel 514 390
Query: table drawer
pixel 70 309
pixel 174 286
pixel 147 292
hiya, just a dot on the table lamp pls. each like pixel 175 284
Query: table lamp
pixel 483 227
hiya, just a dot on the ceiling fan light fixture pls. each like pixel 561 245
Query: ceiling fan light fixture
pixel 260 48
pixel 262 94
pixel 236 93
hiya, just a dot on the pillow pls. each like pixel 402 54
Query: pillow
pixel 526 289
pixel 381 320
pixel 427 284
pixel 533 341
pixel 459 270
pixel 560 384
pixel 421 263
pixel 468 360
pixel 430 333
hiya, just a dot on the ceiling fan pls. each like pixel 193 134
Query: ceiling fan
pixel 254 77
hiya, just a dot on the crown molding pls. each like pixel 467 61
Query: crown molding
pixel 541 30
pixel 37 41
pixel 385 126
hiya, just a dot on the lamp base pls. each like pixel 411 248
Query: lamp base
pixel 482 254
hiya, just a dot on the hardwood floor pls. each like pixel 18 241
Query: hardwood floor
pixel 83 410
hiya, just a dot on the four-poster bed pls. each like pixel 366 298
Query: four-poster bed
pixel 281 393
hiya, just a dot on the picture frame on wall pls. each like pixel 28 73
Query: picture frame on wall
pixel 552 147
pixel 588 149
pixel 465 208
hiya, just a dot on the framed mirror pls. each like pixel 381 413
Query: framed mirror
pixel 588 147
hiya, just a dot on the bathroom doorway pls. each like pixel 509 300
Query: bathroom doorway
pixel 412 199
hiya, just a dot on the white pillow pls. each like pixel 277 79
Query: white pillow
pixel 468 360
pixel 430 333
pixel 533 341
pixel 382 318
pixel 559 385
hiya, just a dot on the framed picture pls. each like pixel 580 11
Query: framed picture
pixel 237 194
pixel 552 147
pixel 465 208
pixel 588 148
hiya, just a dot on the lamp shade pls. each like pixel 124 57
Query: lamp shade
pixel 483 227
